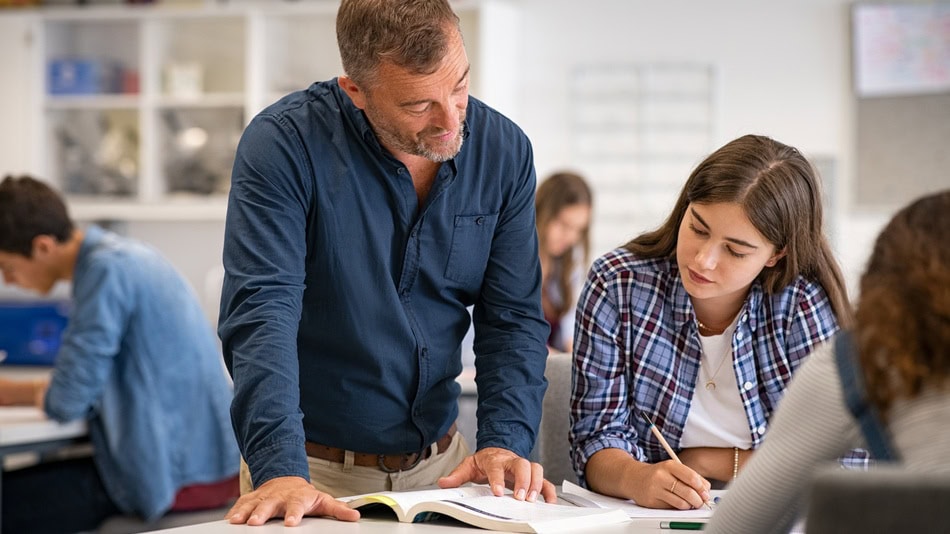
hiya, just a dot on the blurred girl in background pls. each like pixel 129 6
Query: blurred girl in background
pixel 563 209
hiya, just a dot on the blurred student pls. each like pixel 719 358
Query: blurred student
pixel 563 211
pixel 895 362
pixel 138 361
pixel 700 324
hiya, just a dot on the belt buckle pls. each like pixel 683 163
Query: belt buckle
pixel 381 462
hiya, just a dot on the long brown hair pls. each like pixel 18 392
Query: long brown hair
pixel 559 191
pixel 903 316
pixel 780 192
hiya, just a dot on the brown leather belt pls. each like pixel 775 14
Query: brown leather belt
pixel 389 463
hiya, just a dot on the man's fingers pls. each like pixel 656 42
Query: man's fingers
pixel 463 473
pixel 548 491
pixel 242 509
pixel 520 470
pixel 496 479
pixel 328 506
pixel 537 481
pixel 294 511
pixel 291 498
pixel 265 510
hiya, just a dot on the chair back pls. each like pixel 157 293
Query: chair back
pixel 884 499
pixel 553 449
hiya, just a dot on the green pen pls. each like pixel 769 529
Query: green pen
pixel 682 525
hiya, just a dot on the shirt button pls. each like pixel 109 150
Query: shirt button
pixel 425 353
pixel 739 336
pixel 760 430
pixel 480 221
pixel 415 232
pixel 747 386
pixel 745 317
pixel 400 170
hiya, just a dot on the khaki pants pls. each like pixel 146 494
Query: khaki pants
pixel 341 480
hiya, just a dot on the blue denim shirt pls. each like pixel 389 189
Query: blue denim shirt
pixel 140 362
pixel 344 300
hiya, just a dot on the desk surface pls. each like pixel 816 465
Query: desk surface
pixel 20 425
pixel 319 525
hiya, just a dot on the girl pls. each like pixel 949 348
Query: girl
pixel 563 211
pixel 700 324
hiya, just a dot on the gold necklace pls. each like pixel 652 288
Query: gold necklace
pixel 713 331
pixel 711 383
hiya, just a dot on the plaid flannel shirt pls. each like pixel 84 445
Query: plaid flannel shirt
pixel 637 347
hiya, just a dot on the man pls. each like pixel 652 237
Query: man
pixel 366 213
pixel 138 360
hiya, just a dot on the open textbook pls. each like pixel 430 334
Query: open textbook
pixel 570 490
pixel 477 506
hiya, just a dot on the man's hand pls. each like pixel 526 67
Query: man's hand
pixel 497 466
pixel 291 497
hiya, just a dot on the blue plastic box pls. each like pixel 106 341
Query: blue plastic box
pixel 31 332
pixel 84 77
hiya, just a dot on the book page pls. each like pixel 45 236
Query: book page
pixel 507 513
pixel 403 501
pixel 634 510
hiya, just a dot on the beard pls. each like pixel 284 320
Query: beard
pixel 421 144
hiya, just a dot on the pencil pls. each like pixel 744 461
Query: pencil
pixel 666 445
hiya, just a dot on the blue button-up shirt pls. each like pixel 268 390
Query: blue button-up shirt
pixel 637 347
pixel 344 301
pixel 140 362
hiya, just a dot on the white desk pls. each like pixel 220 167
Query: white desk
pixel 27 429
pixel 316 525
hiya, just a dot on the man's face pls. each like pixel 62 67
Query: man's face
pixel 420 114
pixel 27 273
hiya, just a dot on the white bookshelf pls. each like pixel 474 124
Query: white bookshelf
pixel 158 154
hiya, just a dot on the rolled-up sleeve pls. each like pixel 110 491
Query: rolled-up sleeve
pixel 599 401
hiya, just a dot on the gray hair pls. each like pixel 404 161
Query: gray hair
pixel 412 34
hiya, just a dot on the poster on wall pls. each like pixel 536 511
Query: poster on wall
pixel 901 49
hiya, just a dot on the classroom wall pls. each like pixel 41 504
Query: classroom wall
pixel 782 70
pixel 16 95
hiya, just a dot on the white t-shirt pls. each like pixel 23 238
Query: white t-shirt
pixel 716 417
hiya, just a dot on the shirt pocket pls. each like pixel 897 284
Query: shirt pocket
pixel 471 246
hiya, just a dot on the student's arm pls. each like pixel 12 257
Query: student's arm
pixel 103 300
pixel 22 392
pixel 614 472
pixel 605 447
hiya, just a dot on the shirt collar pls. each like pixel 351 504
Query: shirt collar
pixel 92 236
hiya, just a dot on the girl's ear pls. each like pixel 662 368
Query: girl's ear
pixel 775 258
